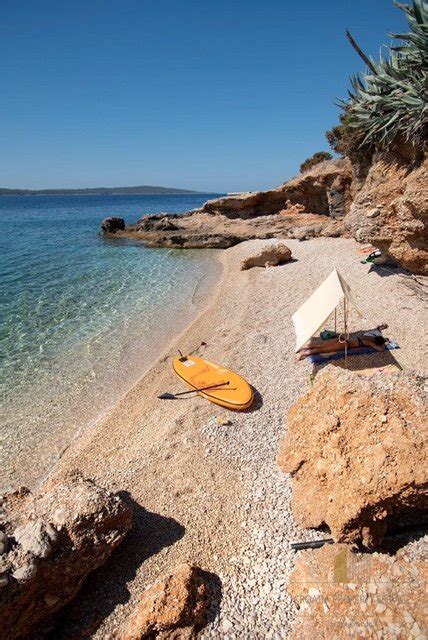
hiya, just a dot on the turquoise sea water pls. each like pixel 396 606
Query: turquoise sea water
pixel 82 316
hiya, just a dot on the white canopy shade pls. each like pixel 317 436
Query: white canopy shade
pixel 313 315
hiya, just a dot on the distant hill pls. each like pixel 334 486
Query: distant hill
pixel 93 191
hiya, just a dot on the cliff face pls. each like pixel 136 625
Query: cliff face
pixel 323 190
pixel 390 210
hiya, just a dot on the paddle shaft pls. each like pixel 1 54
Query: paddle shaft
pixel 213 386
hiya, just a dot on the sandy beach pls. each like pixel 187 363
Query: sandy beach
pixel 212 494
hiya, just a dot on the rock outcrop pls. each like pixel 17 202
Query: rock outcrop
pixel 356 449
pixel 51 541
pixel 391 211
pixel 341 594
pixel 174 607
pixel 310 205
pixel 113 224
pixel 386 205
pixel 324 190
pixel 269 256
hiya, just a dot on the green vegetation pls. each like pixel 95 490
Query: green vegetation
pixel 387 105
pixel 318 157
pixel 94 191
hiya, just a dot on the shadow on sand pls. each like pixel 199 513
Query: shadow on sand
pixel 361 362
pixel 107 586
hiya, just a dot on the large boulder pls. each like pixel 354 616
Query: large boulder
pixel 269 256
pixel 341 594
pixel 113 224
pixel 174 607
pixel 391 211
pixel 356 449
pixel 51 541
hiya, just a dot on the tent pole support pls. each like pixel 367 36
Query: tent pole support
pixel 345 327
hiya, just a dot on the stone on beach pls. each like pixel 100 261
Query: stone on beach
pixel 342 594
pixel 56 537
pixel 355 447
pixel 271 255
pixel 173 607
pixel 386 204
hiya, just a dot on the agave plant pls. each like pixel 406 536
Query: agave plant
pixel 388 103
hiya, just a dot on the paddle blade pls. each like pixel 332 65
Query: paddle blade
pixel 166 396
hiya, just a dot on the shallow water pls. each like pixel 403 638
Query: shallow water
pixel 82 316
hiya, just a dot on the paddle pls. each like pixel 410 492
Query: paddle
pixel 172 396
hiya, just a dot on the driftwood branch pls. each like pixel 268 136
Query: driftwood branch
pixel 360 52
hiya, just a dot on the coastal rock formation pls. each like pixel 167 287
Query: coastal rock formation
pixel 202 231
pixel 269 256
pixel 112 224
pixel 174 607
pixel 307 206
pixel 355 448
pixel 391 211
pixel 324 190
pixel 386 205
pixel 51 541
pixel 341 594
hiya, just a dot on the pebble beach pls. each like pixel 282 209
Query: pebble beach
pixel 203 481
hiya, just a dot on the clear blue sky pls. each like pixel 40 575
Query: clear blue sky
pixel 212 95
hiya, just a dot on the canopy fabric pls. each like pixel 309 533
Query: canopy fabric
pixel 313 315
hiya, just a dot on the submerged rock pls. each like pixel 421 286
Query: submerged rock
pixel 355 447
pixel 272 255
pixel 55 537
pixel 174 607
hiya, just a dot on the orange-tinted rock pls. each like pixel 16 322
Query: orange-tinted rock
pixel 174 607
pixel 356 449
pixel 271 255
pixel 391 211
pixel 292 209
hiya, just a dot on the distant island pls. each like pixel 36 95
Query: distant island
pixel 144 189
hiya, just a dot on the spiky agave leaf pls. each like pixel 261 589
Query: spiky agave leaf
pixel 389 102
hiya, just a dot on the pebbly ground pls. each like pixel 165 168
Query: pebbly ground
pixel 210 493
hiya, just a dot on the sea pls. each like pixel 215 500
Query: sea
pixel 82 316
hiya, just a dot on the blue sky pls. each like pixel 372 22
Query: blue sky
pixel 210 95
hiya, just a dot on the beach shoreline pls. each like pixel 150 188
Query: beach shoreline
pixel 219 486
pixel 173 343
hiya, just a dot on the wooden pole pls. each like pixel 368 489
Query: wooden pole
pixel 345 327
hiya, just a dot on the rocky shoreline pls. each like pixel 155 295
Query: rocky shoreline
pixel 386 205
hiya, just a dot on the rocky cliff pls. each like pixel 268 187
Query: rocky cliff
pixel 390 210
pixel 310 205
pixel 387 206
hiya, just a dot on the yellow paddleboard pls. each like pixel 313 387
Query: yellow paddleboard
pixel 232 392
